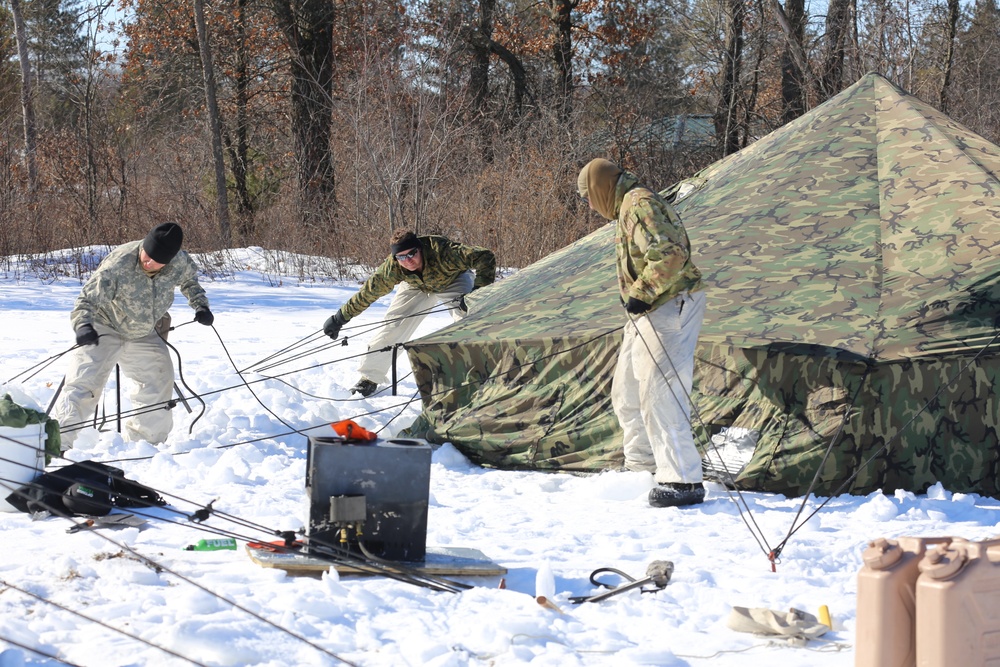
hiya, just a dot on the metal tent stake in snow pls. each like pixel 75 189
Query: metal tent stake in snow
pixel 118 398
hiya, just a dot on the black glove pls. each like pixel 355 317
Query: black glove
pixel 636 307
pixel 86 335
pixel 462 306
pixel 332 325
pixel 204 316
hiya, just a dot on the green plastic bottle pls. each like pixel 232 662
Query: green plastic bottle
pixel 212 545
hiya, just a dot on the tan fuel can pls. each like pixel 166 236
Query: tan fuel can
pixel 886 611
pixel 958 605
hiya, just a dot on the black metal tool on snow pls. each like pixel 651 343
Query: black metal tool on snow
pixel 658 574
pixel 108 521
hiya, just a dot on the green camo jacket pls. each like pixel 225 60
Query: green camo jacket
pixel 121 296
pixel 652 246
pixel 444 261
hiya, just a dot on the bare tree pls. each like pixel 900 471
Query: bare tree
pixel 838 33
pixel 954 11
pixel 562 55
pixel 27 97
pixel 214 124
pixel 794 67
pixel 729 126
pixel 308 30
pixel 239 146
pixel 483 47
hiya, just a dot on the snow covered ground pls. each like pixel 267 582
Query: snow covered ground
pixel 67 595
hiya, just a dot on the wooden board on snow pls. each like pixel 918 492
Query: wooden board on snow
pixel 439 561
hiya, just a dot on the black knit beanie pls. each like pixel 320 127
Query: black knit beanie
pixel 407 241
pixel 163 242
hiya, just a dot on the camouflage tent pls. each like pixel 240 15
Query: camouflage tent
pixel 853 282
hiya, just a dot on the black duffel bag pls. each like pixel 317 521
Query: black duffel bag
pixel 85 488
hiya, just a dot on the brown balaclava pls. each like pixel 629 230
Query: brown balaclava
pixel 597 183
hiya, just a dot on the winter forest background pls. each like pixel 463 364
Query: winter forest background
pixel 320 126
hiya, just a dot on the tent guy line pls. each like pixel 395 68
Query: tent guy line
pixel 159 567
pixel 326 550
pixel 221 390
pixel 320 549
pixel 38 651
pixel 741 504
pixel 96 621
pixel 276 377
pixel 342 341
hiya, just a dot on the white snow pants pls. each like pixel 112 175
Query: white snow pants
pixel 651 389
pixel 405 313
pixel 144 361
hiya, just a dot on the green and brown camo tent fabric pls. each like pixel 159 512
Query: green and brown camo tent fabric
pixel 852 259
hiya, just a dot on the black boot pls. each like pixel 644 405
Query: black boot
pixel 676 495
pixel 365 387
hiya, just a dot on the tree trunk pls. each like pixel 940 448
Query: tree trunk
pixel 562 52
pixel 518 74
pixel 483 48
pixel 727 124
pixel 793 74
pixel 838 24
pixel 27 97
pixel 308 28
pixel 949 59
pixel 479 76
pixel 214 125
pixel 239 148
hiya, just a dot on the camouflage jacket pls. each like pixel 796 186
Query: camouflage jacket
pixel 652 246
pixel 121 296
pixel 444 261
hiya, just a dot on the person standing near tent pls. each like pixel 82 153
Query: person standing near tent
pixel 121 318
pixel 432 269
pixel 663 295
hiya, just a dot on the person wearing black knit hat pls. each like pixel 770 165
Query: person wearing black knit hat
pixel 121 318
pixel 163 242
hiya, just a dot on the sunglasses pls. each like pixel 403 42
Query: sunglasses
pixel 402 257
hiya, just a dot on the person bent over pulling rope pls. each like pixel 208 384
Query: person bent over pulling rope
pixel 120 318
pixel 429 270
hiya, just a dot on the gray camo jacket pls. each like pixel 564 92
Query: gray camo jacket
pixel 121 296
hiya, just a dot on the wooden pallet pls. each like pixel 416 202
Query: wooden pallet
pixel 439 561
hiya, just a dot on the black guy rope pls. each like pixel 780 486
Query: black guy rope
pixel 101 623
pixel 38 651
pixel 364 328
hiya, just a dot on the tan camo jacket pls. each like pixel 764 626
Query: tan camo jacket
pixel 652 246
pixel 444 261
